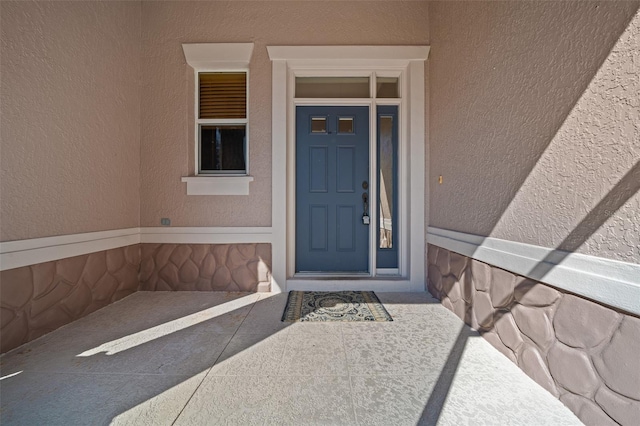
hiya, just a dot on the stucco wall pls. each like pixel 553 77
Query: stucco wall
pixel 70 115
pixel 535 123
pixel 167 120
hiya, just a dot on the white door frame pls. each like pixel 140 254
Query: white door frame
pixel 408 61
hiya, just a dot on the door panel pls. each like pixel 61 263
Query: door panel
pixel 345 231
pixel 318 169
pixel 331 166
pixel 318 234
pixel 346 157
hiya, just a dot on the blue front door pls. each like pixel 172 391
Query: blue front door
pixel 332 195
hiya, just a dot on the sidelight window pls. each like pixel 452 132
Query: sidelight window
pixel 387 247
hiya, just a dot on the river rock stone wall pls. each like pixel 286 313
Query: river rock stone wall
pixel 206 267
pixel 39 298
pixel 584 353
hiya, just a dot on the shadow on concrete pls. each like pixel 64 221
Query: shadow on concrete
pixel 98 367
pixel 128 360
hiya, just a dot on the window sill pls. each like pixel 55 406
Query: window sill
pixel 217 185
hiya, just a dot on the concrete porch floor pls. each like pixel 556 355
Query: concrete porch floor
pixel 225 358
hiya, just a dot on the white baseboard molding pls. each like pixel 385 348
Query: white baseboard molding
pixel 15 254
pixel 610 282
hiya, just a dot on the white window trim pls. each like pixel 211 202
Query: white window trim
pixel 291 61
pixel 218 57
pixel 217 185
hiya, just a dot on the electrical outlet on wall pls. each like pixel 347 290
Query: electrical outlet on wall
pixel 165 221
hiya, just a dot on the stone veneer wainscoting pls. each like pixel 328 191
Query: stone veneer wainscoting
pixel 206 267
pixel 584 353
pixel 39 298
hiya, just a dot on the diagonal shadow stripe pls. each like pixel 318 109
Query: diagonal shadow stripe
pixel 435 404
pixel 626 188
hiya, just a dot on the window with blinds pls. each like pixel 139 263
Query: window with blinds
pixel 222 122
pixel 223 95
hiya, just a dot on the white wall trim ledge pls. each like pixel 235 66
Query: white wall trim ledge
pixel 610 282
pixel 205 235
pixel 16 254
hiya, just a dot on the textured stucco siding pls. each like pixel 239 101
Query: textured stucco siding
pixel 168 89
pixel 535 123
pixel 70 134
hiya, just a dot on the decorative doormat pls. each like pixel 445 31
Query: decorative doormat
pixel 334 306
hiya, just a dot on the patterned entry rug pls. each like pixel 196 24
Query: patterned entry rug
pixel 334 306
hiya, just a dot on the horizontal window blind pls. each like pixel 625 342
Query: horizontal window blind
pixel 223 95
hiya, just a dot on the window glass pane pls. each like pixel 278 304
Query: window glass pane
pixel 386 182
pixel 222 95
pixel 222 148
pixel 332 87
pixel 345 125
pixel 387 87
pixel 318 124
